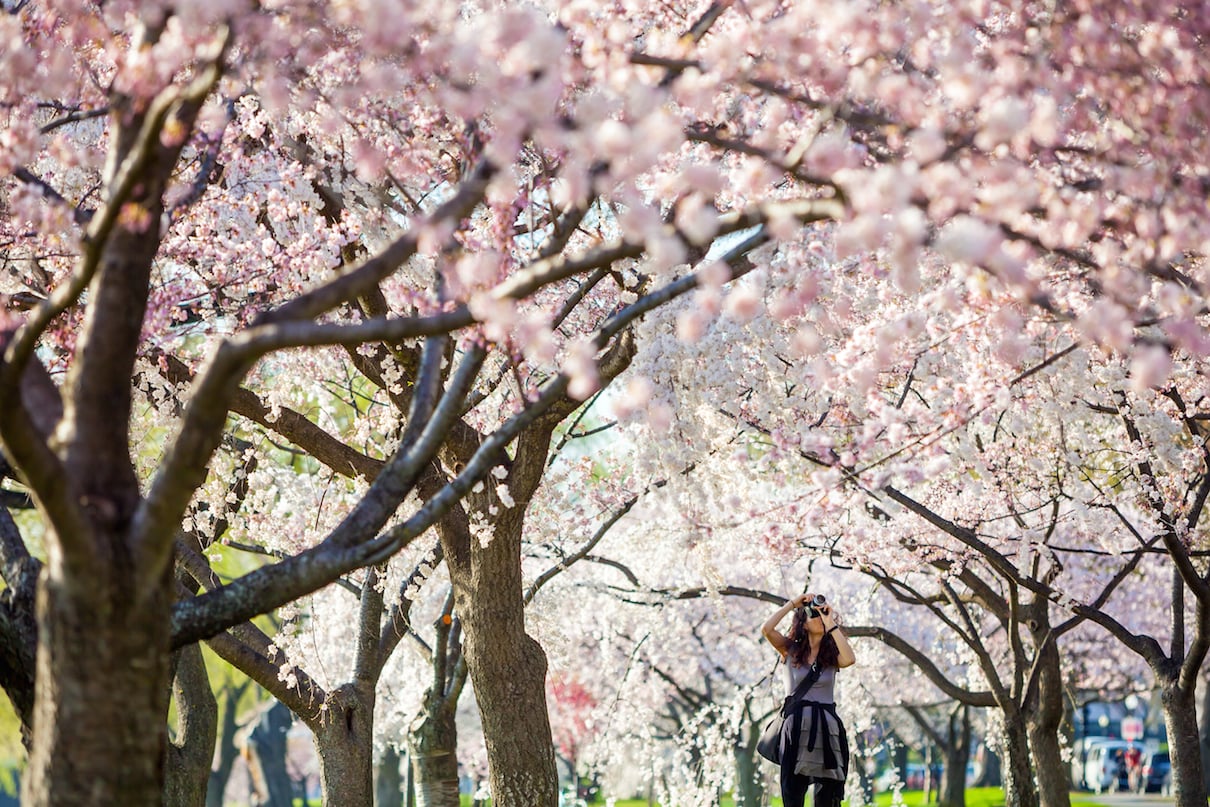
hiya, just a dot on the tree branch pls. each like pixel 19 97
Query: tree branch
pixel 924 664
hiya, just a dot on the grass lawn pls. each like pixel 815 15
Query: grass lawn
pixel 978 797
pixel 975 797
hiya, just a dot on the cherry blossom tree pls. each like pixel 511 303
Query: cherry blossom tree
pixel 1009 516
pixel 145 231
pixel 257 193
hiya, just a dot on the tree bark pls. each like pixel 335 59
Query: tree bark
pixel 100 733
pixel 1019 788
pixel 1204 733
pixel 957 752
pixel 1180 718
pixel 344 741
pixel 18 623
pixel 1045 719
pixel 189 756
pixel 507 667
pixel 749 781
pixel 1052 775
pixel 388 783
pixel 105 594
pixel 433 753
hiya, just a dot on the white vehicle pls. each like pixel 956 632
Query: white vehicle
pixel 1081 750
pixel 1105 769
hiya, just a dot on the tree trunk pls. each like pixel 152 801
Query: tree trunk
pixel 900 757
pixel 1180 718
pixel 749 783
pixel 433 734
pixel 345 743
pixel 265 746
pixel 989 768
pixel 863 781
pixel 388 784
pixel 190 754
pixel 1019 787
pixel 510 690
pixel 1045 720
pixel 409 787
pixel 216 787
pixel 18 628
pixel 957 752
pixel 1053 776
pixel 507 667
pixel 433 752
pixel 1203 732
pixel 101 702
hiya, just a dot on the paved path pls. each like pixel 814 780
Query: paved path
pixel 1131 799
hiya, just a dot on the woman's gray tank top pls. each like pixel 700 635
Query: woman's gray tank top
pixel 822 691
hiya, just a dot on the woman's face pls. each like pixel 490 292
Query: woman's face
pixel 813 621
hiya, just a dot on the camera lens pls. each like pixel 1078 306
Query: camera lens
pixel 818 600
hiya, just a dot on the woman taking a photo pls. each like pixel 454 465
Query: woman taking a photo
pixel 814 746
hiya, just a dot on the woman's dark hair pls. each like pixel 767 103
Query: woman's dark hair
pixel 800 645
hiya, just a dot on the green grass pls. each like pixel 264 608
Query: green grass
pixel 978 797
pixel 975 797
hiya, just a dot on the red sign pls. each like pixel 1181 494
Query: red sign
pixel 1132 728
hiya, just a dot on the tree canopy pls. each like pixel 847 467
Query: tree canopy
pixel 319 278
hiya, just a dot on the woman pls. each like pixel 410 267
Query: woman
pixel 814 745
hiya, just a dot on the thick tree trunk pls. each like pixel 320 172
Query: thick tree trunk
pixel 510 690
pixel 957 752
pixel 18 622
pixel 1180 718
pixel 1203 732
pixel 1052 774
pixel 1019 787
pixel 388 781
pixel 100 728
pixel 749 781
pixel 1045 720
pixel 345 743
pixel 433 753
pixel 507 667
pixel 190 754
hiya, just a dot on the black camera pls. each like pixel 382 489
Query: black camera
pixel 814 605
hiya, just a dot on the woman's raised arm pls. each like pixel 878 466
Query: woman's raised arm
pixel 769 629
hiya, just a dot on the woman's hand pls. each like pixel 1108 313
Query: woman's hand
pixel 847 657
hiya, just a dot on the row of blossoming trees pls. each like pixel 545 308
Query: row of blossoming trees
pixel 330 281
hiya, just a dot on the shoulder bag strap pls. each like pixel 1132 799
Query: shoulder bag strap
pixel 801 690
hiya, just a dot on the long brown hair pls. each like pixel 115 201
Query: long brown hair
pixel 800 644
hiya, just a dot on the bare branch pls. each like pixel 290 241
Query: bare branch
pixel 924 664
pixel 346 547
